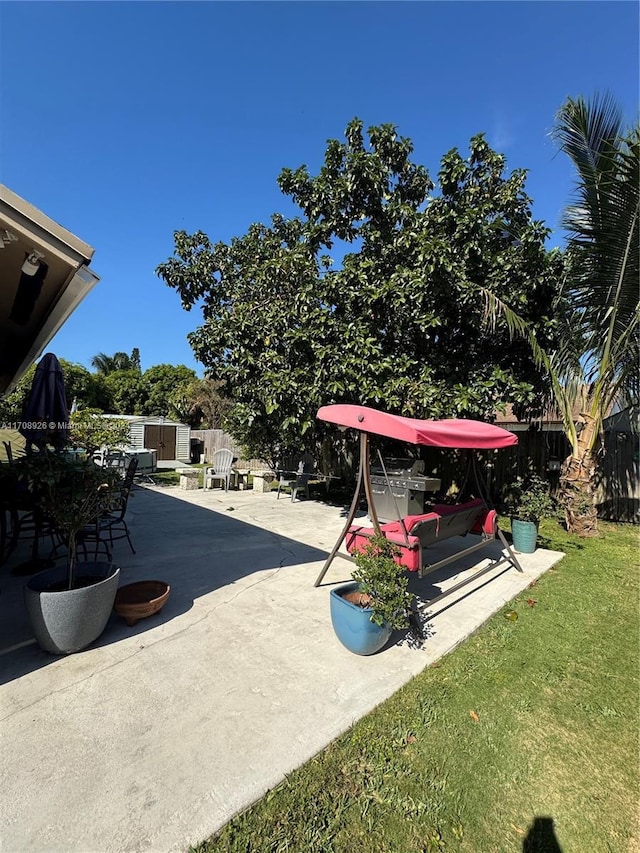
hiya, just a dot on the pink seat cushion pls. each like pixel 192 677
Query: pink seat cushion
pixel 439 510
pixel 450 509
pixel 409 557
pixel 487 523
pixel 424 530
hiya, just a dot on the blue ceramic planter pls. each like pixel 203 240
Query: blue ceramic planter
pixel 524 535
pixel 353 625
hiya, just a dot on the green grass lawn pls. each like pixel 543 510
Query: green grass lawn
pixel 168 477
pixel 533 717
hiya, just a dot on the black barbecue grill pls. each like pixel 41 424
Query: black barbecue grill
pixel 402 491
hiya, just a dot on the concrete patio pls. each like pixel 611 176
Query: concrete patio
pixel 158 734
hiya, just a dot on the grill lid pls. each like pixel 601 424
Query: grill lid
pixel 398 466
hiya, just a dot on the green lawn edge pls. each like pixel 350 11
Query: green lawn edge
pixel 524 737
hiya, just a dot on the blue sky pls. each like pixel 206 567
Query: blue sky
pixel 126 121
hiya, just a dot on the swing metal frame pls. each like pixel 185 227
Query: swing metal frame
pixel 461 434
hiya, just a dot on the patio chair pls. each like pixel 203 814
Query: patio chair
pixel 219 470
pixel 30 524
pixel 116 459
pixel 100 456
pixel 297 481
pixel 112 525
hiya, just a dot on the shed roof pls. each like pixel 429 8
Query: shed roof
pixel 147 419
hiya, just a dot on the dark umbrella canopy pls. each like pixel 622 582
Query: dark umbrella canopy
pixel 45 418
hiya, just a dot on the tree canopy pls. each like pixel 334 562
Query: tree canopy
pixel 86 388
pixel 370 295
pixel 90 430
pixel 164 380
pixel 116 390
pixel 128 392
pixel 105 364
pixel 201 403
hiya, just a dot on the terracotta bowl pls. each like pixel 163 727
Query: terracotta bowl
pixel 140 599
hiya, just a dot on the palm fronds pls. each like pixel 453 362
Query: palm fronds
pixel 602 224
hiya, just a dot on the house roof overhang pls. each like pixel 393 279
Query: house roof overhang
pixel 44 275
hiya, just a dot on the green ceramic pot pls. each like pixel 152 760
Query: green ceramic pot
pixel 524 535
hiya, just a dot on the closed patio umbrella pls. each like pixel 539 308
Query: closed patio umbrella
pixel 45 420
pixel 46 414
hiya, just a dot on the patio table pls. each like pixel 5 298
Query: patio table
pixel 240 478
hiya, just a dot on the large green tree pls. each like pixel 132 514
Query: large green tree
pixel 128 392
pixel 371 295
pixel 163 381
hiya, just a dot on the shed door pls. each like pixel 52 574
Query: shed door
pixel 162 439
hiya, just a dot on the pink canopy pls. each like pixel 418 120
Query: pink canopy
pixel 457 433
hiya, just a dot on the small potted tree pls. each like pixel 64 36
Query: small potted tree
pixel 69 606
pixel 366 611
pixel 90 429
pixel 530 503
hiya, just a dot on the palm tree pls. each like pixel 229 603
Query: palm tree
pixel 599 365
pixel 603 247
pixel 106 364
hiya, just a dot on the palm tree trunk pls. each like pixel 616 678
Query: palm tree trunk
pixel 577 492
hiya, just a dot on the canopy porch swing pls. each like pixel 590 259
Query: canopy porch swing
pixel 413 534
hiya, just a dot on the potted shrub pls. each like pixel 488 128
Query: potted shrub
pixel 530 503
pixel 90 430
pixel 69 606
pixel 366 611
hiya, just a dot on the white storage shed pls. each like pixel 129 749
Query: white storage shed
pixel 170 439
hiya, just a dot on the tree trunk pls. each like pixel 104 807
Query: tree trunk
pixel 577 493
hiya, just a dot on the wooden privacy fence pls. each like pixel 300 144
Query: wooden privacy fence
pixel 618 480
pixel 216 439
pixel 539 451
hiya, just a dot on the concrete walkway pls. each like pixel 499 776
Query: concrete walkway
pixel 158 734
